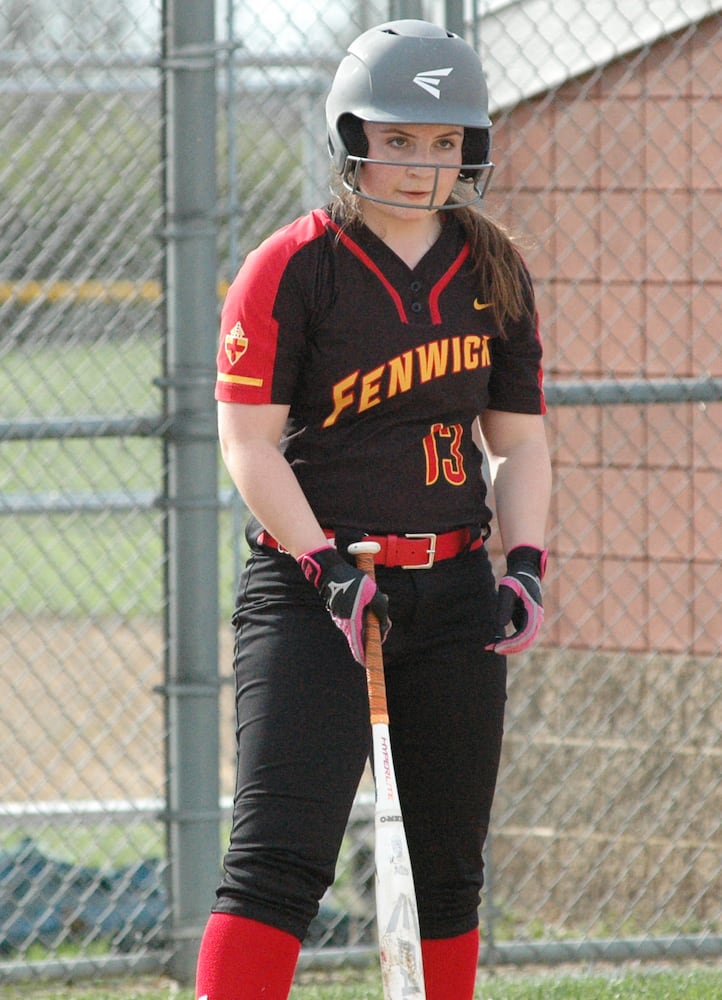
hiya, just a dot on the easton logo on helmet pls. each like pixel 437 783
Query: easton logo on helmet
pixel 430 80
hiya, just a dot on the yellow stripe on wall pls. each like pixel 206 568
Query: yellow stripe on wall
pixel 93 290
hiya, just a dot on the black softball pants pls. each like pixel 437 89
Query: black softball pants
pixel 303 738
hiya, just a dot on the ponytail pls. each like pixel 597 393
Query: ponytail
pixel 503 277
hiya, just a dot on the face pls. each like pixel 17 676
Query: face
pixel 421 165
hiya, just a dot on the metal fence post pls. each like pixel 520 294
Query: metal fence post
pixel 401 9
pixel 191 690
pixel 454 16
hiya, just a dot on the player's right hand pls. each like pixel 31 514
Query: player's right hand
pixel 348 593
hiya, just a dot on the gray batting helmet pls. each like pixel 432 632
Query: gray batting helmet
pixel 410 72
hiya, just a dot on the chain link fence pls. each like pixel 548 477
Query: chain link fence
pixel 606 838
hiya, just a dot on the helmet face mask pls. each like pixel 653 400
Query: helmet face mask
pixel 469 189
pixel 414 73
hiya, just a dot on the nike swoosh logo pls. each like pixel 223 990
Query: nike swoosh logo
pixel 481 305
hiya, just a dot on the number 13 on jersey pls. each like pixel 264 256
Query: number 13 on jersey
pixel 447 439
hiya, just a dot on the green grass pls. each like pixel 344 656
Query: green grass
pixel 85 379
pixel 102 562
pixel 683 983
pixel 99 845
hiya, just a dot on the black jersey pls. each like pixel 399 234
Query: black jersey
pixel 384 368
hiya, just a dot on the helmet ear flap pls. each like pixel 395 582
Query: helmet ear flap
pixel 351 130
pixel 476 148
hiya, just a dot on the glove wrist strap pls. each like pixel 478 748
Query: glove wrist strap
pixel 528 554
pixel 316 563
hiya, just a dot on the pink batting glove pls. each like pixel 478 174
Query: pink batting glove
pixel 519 604
pixel 347 593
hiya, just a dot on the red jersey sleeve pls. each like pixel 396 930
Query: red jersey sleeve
pixel 265 316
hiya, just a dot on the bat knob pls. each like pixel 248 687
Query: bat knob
pixel 364 548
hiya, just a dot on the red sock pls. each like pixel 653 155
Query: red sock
pixel 450 966
pixel 242 959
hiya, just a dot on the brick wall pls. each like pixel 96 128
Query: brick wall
pixel 615 184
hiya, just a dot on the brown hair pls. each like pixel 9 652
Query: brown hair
pixel 495 257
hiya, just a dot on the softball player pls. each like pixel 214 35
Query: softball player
pixel 367 352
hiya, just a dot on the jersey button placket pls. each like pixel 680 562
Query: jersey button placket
pixel 416 305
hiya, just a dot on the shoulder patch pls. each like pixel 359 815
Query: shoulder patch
pixel 236 344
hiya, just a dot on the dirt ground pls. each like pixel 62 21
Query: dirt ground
pixel 81 713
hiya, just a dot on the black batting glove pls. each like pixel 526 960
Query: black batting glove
pixel 348 593
pixel 519 611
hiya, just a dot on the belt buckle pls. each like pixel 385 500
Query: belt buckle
pixel 431 551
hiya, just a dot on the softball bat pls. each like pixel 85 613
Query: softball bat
pixel 396 912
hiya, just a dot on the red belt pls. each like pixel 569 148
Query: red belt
pixel 413 551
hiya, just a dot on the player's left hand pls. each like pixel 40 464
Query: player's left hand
pixel 519 604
